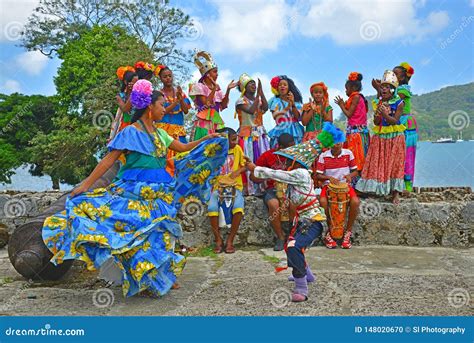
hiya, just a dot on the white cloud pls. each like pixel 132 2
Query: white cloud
pixel 252 28
pixel 10 86
pixel 350 22
pixel 13 16
pixel 32 62
pixel 247 28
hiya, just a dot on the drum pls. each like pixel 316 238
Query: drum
pixel 338 198
pixel 280 189
pixel 226 190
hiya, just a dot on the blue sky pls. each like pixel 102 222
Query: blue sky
pixel 309 41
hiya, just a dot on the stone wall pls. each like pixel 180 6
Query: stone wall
pixel 441 217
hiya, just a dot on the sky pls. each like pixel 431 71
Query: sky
pixel 310 41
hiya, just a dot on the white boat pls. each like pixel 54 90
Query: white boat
pixel 445 140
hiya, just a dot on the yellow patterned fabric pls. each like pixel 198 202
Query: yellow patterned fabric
pixel 389 129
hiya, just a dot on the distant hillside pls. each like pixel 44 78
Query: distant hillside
pixel 433 109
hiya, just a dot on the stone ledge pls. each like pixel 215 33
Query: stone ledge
pixel 441 218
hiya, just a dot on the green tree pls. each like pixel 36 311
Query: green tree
pixel 9 160
pixel 67 154
pixel 86 81
pixel 22 118
pixel 55 23
pixel 86 84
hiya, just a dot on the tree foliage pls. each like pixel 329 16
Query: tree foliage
pixel 55 23
pixel 22 118
pixel 86 86
pixel 86 81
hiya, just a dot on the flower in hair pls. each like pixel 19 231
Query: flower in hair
pixel 122 70
pixel 159 68
pixel 353 76
pixel 141 94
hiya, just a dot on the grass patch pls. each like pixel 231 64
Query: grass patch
pixel 6 280
pixel 271 259
pixel 203 252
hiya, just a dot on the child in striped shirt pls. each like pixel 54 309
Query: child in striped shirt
pixel 334 166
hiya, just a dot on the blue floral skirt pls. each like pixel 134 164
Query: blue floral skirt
pixel 134 222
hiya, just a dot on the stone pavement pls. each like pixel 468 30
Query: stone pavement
pixel 366 280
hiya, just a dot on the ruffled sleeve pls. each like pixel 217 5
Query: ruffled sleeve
pixel 299 106
pixel 405 90
pixel 274 104
pixel 165 137
pixel 199 88
pixel 132 139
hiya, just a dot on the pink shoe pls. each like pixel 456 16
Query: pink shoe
pixel 297 298
pixel 346 243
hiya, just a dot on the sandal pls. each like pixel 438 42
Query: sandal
pixel 218 249
pixel 230 250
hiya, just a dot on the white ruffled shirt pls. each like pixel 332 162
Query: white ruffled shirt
pixel 300 189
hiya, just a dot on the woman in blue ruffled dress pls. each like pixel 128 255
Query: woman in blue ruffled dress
pixel 133 220
pixel 286 108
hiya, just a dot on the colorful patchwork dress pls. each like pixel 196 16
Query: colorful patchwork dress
pixel 384 165
pixel 253 139
pixel 411 136
pixel 133 220
pixel 285 121
pixel 208 118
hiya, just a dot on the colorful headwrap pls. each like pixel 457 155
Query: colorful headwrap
pixel 331 135
pixel 408 68
pixel 159 68
pixel 141 94
pixel 274 83
pixel 325 91
pixel 244 79
pixel 144 65
pixel 353 76
pixel 122 70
